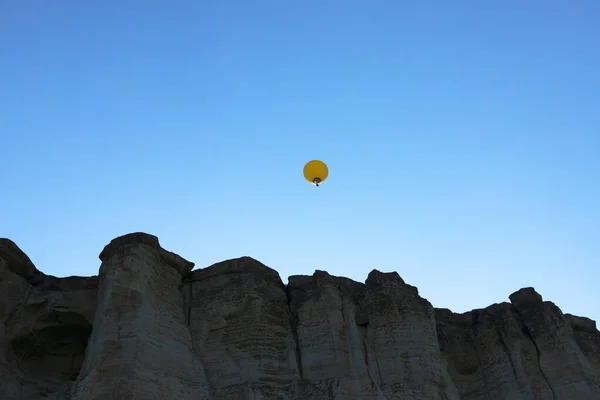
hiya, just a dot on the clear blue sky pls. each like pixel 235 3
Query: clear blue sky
pixel 463 138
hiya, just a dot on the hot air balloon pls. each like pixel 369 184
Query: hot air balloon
pixel 315 172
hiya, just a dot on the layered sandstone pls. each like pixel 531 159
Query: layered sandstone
pixel 148 327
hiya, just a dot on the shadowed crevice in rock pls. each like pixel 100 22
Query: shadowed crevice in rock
pixel 65 340
pixel 54 350
pixel 69 339
pixel 474 327
pixel 188 302
pixel 294 326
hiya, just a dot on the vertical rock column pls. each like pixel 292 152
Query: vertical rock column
pixel 330 343
pixel 403 344
pixel 140 346
pixel 566 370
pixel 489 356
pixel 240 324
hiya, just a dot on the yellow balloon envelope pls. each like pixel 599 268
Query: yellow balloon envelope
pixel 315 172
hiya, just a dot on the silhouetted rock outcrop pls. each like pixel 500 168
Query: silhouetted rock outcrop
pixel 148 327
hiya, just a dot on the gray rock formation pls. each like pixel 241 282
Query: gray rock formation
pixel 148 327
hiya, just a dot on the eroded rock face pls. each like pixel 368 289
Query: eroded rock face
pixel 372 341
pixel 148 327
pixel 46 323
pixel 141 346
pixel 240 324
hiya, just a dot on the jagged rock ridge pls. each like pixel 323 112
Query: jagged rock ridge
pixel 148 327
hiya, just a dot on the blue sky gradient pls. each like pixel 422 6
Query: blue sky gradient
pixel 462 138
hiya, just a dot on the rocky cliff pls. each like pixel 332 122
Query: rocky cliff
pixel 148 327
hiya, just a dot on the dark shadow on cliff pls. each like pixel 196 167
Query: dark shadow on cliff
pixel 55 349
